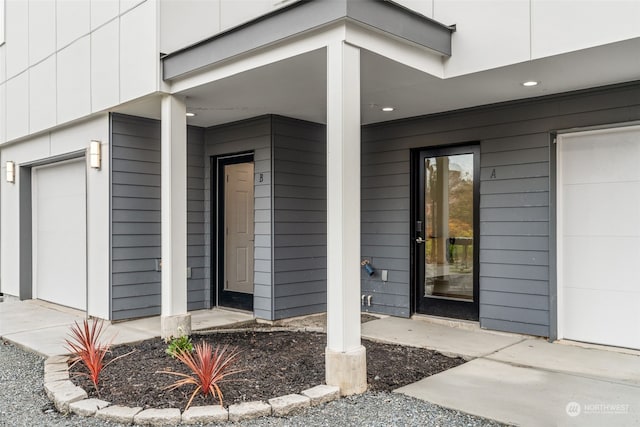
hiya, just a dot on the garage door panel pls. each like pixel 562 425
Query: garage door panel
pixel 599 241
pixel 59 233
pixel 588 319
pixel 602 209
pixel 602 263
pixel 587 159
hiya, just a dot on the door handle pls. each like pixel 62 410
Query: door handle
pixel 420 240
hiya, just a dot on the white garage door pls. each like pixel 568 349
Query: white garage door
pixel 59 233
pixel 599 237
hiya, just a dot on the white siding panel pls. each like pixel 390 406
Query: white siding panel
pixel 186 22
pixel 3 62
pixel 126 5
pixel 73 21
pixel 42 95
pixel 18 98
pixel 138 52
pixel 17 36
pixel 105 79
pixel 564 26
pixel 74 77
pixel 480 41
pixel 424 7
pixel 77 137
pixel 102 11
pixel 231 15
pixel 3 113
pixel 42 30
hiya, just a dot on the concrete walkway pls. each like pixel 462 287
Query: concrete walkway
pixel 511 378
pixel 42 327
pixel 522 380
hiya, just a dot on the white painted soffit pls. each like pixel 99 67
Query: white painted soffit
pixel 288 78
pixel 296 86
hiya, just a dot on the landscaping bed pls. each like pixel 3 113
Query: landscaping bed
pixel 273 364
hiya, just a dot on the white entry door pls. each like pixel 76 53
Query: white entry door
pixel 598 194
pixel 60 233
pixel 239 240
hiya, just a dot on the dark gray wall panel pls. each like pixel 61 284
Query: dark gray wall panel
pixel 516 327
pixel 135 217
pixel 300 217
pixel 197 296
pixel 506 228
pixel 135 164
pixel 253 135
pixel 25 232
pixel 532 287
pixel 385 228
pixel 514 200
pixel 514 257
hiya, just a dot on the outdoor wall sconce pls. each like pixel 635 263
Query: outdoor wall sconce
pixel 95 154
pixel 11 172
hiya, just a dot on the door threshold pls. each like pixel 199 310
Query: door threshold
pixel 469 325
pixel 236 310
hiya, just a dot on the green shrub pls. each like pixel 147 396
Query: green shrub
pixel 180 344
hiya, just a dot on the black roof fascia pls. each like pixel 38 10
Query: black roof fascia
pixel 383 15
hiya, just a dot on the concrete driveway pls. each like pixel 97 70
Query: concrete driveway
pixel 522 380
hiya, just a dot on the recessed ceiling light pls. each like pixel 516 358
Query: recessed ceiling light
pixel 530 83
pixel 191 114
pixel 387 109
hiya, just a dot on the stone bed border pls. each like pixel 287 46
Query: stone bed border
pixel 68 397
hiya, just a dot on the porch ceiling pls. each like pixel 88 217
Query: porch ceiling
pixel 296 87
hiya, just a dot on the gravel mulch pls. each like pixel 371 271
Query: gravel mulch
pixel 24 404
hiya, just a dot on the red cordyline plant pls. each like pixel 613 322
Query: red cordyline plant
pixel 85 346
pixel 208 366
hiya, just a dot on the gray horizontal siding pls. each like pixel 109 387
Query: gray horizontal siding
pixel 385 228
pixel 514 198
pixel 514 229
pixel 198 296
pixel 253 136
pixel 135 217
pixel 300 218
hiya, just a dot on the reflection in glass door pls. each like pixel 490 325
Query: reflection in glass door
pixel 446 229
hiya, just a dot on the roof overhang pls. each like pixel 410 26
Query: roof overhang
pixel 300 17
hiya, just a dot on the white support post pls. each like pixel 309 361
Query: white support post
pixel 175 320
pixel 345 356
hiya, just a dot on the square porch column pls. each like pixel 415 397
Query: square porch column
pixel 345 357
pixel 174 319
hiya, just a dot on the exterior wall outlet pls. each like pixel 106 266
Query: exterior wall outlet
pixel 384 274
pixel 188 272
